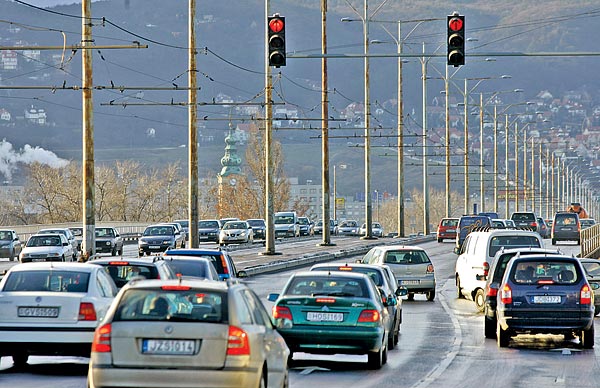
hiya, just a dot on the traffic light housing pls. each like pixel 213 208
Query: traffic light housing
pixel 456 40
pixel 276 40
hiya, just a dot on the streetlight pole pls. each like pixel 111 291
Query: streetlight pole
pixel 424 134
pixel 400 114
pixel 516 166
pixel 481 169
pixel 506 181
pixel 447 140
pixel 368 216
pixel 466 148
pixel 495 159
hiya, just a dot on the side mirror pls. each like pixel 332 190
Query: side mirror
pixel 242 274
pixel 65 244
pixel 358 261
pixel 272 297
pixel 401 291
pixel 457 250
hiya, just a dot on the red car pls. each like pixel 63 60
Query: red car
pixel 447 229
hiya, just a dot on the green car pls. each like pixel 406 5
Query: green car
pixel 333 312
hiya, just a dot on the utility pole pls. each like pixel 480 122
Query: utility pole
pixel 325 131
pixel 88 248
pixel 481 169
pixel 495 159
pixel 424 133
pixel 400 115
pixel 447 141
pixel 192 131
pixel 368 215
pixel 466 147
pixel 506 182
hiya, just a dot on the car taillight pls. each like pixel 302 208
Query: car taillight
pixel 430 268
pixel 534 224
pixel 369 316
pixel 325 300
pixel 585 296
pixel 486 268
pixel 491 291
pixel 86 312
pixel 224 265
pixel 238 343
pixel 506 294
pixel 101 343
pixel 176 287
pixel 280 312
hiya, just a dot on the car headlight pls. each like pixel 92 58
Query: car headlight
pixel 53 254
pixel 243 234
pixel 167 242
pixel 25 255
pixel 108 243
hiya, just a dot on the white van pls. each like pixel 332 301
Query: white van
pixel 286 224
pixel 476 254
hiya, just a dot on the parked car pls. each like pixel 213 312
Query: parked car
pixel 476 254
pixel 67 233
pixel 543 229
pixel 348 228
pixel 108 240
pixel 565 227
pixel 208 230
pixel 376 229
pixel 286 224
pixel 188 333
pixel 493 279
pixel 525 220
pixel 159 238
pixel 587 222
pixel 197 267
pixel 447 229
pixel 46 247
pixel 333 312
pixel 124 269
pixel 259 228
pixel 52 309
pixel 307 227
pixel 592 272
pixel 236 232
pixel 385 280
pixel 548 295
pixel 411 266
pixel 10 244
pixel 222 260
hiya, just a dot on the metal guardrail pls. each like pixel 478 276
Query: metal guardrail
pixel 590 242
pixel 127 230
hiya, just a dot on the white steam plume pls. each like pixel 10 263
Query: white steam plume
pixel 27 155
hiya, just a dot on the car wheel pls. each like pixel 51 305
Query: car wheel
pixel 20 360
pixel 114 251
pixel 391 337
pixel 553 241
pixel 120 251
pixel 262 383
pixel 430 295
pixel 489 328
pixel 140 254
pixel 62 258
pixel 587 338
pixel 410 296
pixel 502 336
pixel 440 240
pixel 578 242
pixel 479 299
pixel 384 356
pixel 596 311
pixel 459 293
pixel 375 359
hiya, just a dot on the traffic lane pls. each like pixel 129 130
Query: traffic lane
pixel 47 372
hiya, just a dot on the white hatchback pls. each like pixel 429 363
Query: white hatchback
pixel 47 247
pixel 52 309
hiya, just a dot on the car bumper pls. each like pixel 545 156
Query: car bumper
pixel 154 248
pixel 284 233
pixel 533 321
pixel 208 237
pixel 332 340
pixel 104 248
pixel 232 240
pixel 107 376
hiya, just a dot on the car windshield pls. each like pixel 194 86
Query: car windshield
pixel 183 223
pixel 508 242
pixel 55 281
pixel 234 225
pixel 208 224
pixel 104 232
pixel 77 231
pixel 303 221
pixel 406 257
pixel 166 230
pixel 327 286
pixel 280 220
pixel 450 223
pixel 5 235
pixel 544 272
pixel 185 305
pixel 350 224
pixel 44 241
pixel 256 222
pixel 122 272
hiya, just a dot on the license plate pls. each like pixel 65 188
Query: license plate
pixel 168 347
pixel 38 259
pixel 203 237
pixel 154 246
pixel 410 282
pixel 546 299
pixel 38 312
pixel 324 317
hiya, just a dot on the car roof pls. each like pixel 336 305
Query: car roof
pixel 131 260
pixel 400 248
pixel 45 265
pixel 193 251
pixel 196 283
pixel 529 250
pixel 377 267
pixel 537 257
pixel 504 232
pixel 311 274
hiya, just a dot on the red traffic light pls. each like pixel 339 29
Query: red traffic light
pixel 276 25
pixel 455 24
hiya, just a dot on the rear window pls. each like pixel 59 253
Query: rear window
pixel 55 281
pixel 523 217
pixel 406 257
pixel 565 219
pixel 189 267
pixel 122 272
pixel 545 272
pixel 374 274
pixel 327 286
pixel 215 259
pixel 449 223
pixel 172 305
pixel 509 242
